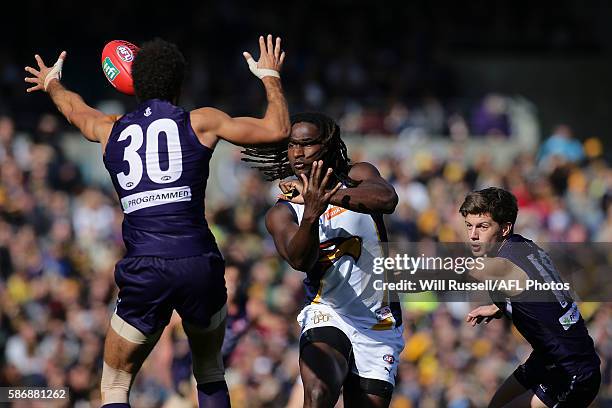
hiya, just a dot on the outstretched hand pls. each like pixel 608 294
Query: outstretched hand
pixel 316 198
pixel 271 58
pixel 44 75
pixel 483 313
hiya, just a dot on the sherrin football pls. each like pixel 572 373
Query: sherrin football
pixel 117 58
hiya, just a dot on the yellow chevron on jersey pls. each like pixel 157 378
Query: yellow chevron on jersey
pixel 334 249
pixel 349 243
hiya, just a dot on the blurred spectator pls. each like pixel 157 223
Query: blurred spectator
pixel 560 145
pixel 491 117
pixel 59 243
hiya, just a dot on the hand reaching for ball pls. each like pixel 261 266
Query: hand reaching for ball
pixel 44 75
pixel 271 58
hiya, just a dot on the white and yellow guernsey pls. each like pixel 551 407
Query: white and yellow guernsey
pixel 343 276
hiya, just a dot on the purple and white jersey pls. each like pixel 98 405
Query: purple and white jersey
pixel 159 169
pixel 554 328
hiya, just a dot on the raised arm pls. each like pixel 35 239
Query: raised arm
pixel 373 194
pixel 299 244
pixel 211 124
pixel 93 124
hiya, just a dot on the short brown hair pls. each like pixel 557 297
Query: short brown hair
pixel 497 202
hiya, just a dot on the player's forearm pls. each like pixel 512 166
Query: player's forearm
pixel 303 248
pixel 368 197
pixel 93 124
pixel 66 101
pixel 276 117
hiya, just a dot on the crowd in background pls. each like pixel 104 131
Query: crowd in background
pixel 60 236
pixel 360 60
pixel 386 71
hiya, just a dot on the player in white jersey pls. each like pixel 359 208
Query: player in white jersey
pixel 330 226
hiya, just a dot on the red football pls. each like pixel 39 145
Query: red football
pixel 117 58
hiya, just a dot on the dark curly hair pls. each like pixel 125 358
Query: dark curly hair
pixel 273 162
pixel 158 71
pixel 501 204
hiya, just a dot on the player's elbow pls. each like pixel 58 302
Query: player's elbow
pixel 389 201
pixel 279 133
pixel 277 130
pixel 67 111
pixel 300 265
pixel 301 262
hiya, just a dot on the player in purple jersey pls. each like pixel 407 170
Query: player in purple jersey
pixel 563 369
pixel 158 157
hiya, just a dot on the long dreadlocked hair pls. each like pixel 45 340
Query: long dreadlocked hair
pixel 271 160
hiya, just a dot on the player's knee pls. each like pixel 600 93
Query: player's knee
pixel 115 385
pixel 126 347
pixel 207 366
pixel 206 351
pixel 317 394
pixel 210 375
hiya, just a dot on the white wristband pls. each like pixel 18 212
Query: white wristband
pixel 261 72
pixel 55 73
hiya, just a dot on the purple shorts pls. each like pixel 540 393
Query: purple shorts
pixel 150 288
pixel 554 386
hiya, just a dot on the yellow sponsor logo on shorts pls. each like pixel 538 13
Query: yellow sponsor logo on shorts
pixel 320 317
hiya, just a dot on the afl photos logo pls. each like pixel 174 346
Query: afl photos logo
pixel 124 53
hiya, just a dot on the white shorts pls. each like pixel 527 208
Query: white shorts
pixel 376 352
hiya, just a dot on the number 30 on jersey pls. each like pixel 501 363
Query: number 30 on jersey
pixel 130 180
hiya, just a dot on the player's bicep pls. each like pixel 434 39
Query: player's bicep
pixel 366 172
pixel 241 131
pixel 498 268
pixel 381 193
pixel 281 224
pixel 491 269
pixel 93 124
pixel 245 131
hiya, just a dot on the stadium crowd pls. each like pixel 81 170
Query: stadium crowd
pixel 60 237
pixel 358 62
